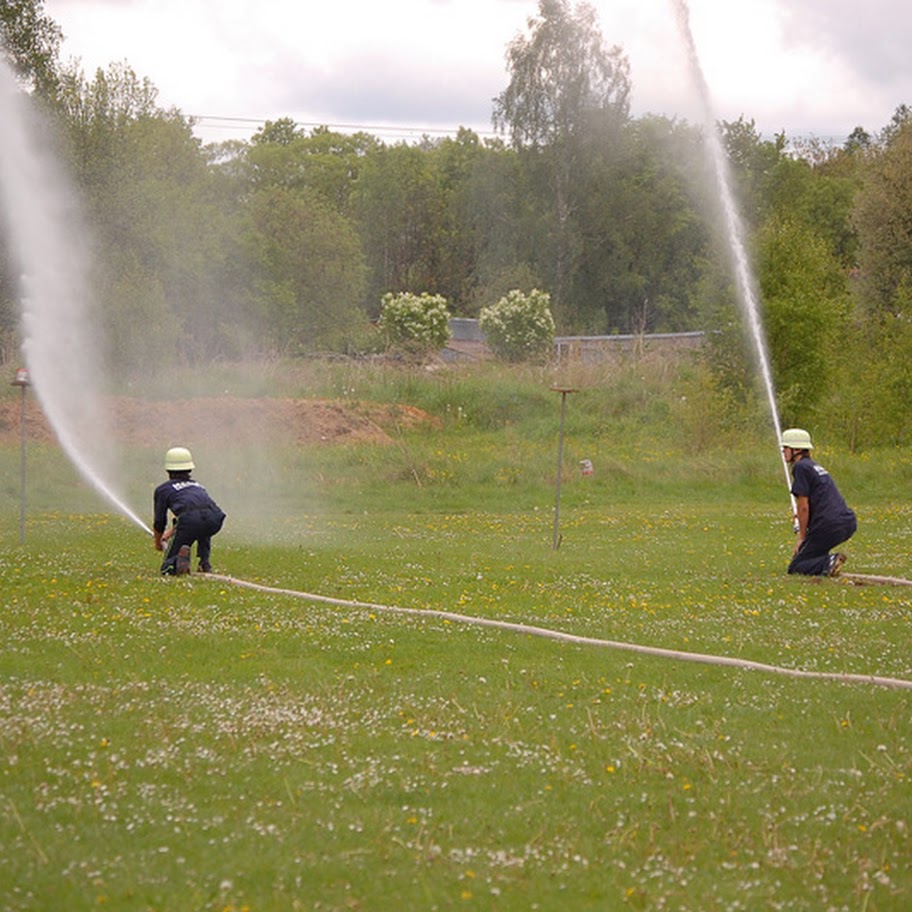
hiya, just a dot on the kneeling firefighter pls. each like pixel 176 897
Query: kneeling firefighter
pixel 197 517
pixel 824 519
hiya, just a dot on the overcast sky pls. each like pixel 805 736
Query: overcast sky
pixel 809 67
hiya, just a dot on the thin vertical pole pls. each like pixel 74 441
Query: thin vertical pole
pixel 22 466
pixel 22 381
pixel 555 543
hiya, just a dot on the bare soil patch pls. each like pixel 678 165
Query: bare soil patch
pixel 233 420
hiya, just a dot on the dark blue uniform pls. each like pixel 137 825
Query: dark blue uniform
pixel 197 519
pixel 830 520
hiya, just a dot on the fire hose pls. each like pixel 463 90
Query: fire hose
pixel 531 630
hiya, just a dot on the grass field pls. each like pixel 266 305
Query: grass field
pixel 188 744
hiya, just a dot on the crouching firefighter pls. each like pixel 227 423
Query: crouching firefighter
pixel 197 517
pixel 824 519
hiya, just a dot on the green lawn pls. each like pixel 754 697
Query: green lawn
pixel 187 744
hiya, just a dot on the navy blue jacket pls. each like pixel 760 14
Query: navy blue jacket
pixel 826 505
pixel 179 496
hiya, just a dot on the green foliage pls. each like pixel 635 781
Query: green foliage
pixel 895 374
pixel 310 272
pixel 753 161
pixel 163 238
pixel 885 230
pixel 821 196
pixel 281 132
pixel 96 110
pixel 563 80
pixel 415 321
pixel 323 162
pixel 399 204
pixel 805 303
pixel 455 163
pixel 30 43
pixel 870 403
pixel 643 236
pixel 519 325
pixel 605 211
pixel 9 310
pixel 559 74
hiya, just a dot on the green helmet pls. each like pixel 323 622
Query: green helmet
pixel 178 459
pixel 797 439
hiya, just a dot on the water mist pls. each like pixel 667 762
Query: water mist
pixel 734 230
pixel 46 241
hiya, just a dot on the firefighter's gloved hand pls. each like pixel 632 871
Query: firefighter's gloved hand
pixel 157 539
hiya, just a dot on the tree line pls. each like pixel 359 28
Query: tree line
pixel 287 243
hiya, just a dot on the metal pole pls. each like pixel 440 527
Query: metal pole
pixel 563 390
pixel 22 381
pixel 22 468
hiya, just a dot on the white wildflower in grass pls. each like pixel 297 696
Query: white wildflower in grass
pixel 188 743
pixel 415 321
pixel 519 326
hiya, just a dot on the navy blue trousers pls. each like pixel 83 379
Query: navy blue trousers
pixel 193 527
pixel 813 557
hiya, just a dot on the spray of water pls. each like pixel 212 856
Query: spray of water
pixel 747 295
pixel 46 242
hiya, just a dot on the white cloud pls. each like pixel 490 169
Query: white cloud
pixel 819 66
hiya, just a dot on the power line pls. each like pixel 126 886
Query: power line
pixel 250 124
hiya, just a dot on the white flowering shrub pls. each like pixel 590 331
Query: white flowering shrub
pixel 415 321
pixel 519 326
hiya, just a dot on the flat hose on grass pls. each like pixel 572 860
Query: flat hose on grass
pixel 701 658
pixel 865 579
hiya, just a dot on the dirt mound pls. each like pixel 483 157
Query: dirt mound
pixel 231 419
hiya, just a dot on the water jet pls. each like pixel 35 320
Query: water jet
pixel 46 237
pixel 734 230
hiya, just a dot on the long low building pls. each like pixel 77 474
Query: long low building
pixel 467 342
